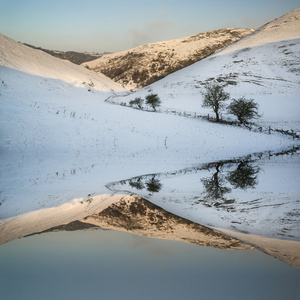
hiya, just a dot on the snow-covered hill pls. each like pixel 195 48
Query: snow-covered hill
pixel 75 57
pixel 146 64
pixel 264 66
pixel 19 57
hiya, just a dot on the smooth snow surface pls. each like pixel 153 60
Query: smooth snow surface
pixel 60 139
pixel 36 62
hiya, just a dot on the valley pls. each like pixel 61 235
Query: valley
pixel 69 135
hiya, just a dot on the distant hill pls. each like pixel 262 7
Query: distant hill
pixel 19 57
pixel 148 63
pixel 264 66
pixel 74 57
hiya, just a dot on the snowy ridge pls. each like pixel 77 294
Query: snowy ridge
pixel 27 60
pixel 264 66
pixel 137 67
pixel 281 29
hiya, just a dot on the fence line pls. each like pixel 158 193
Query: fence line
pixel 194 115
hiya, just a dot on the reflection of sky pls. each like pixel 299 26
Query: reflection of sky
pixel 113 265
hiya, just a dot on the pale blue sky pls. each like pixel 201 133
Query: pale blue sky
pixel 116 25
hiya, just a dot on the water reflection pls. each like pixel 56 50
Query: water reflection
pixel 258 194
pixel 152 184
pixel 244 176
pixel 137 183
pixel 141 217
pixel 215 185
pixel 114 265
pixel 136 215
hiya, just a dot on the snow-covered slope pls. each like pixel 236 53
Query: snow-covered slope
pixel 145 64
pixel 19 57
pixel 264 66
pixel 60 142
pixel 75 57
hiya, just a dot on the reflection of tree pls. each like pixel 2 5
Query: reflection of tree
pixel 153 185
pixel 244 176
pixel 214 185
pixel 137 184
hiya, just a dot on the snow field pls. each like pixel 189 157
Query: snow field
pixel 67 143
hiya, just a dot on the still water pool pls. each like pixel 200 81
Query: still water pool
pixel 106 264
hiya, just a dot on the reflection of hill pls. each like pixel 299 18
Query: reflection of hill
pixel 138 216
pixel 141 217
pixel 73 226
pixel 236 194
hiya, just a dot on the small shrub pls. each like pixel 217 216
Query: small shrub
pixel 153 185
pixel 243 109
pixel 137 102
pixel 153 100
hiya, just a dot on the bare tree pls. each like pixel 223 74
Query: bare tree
pixel 214 97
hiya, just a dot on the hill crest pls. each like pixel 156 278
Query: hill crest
pixel 141 66
pixel 19 57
